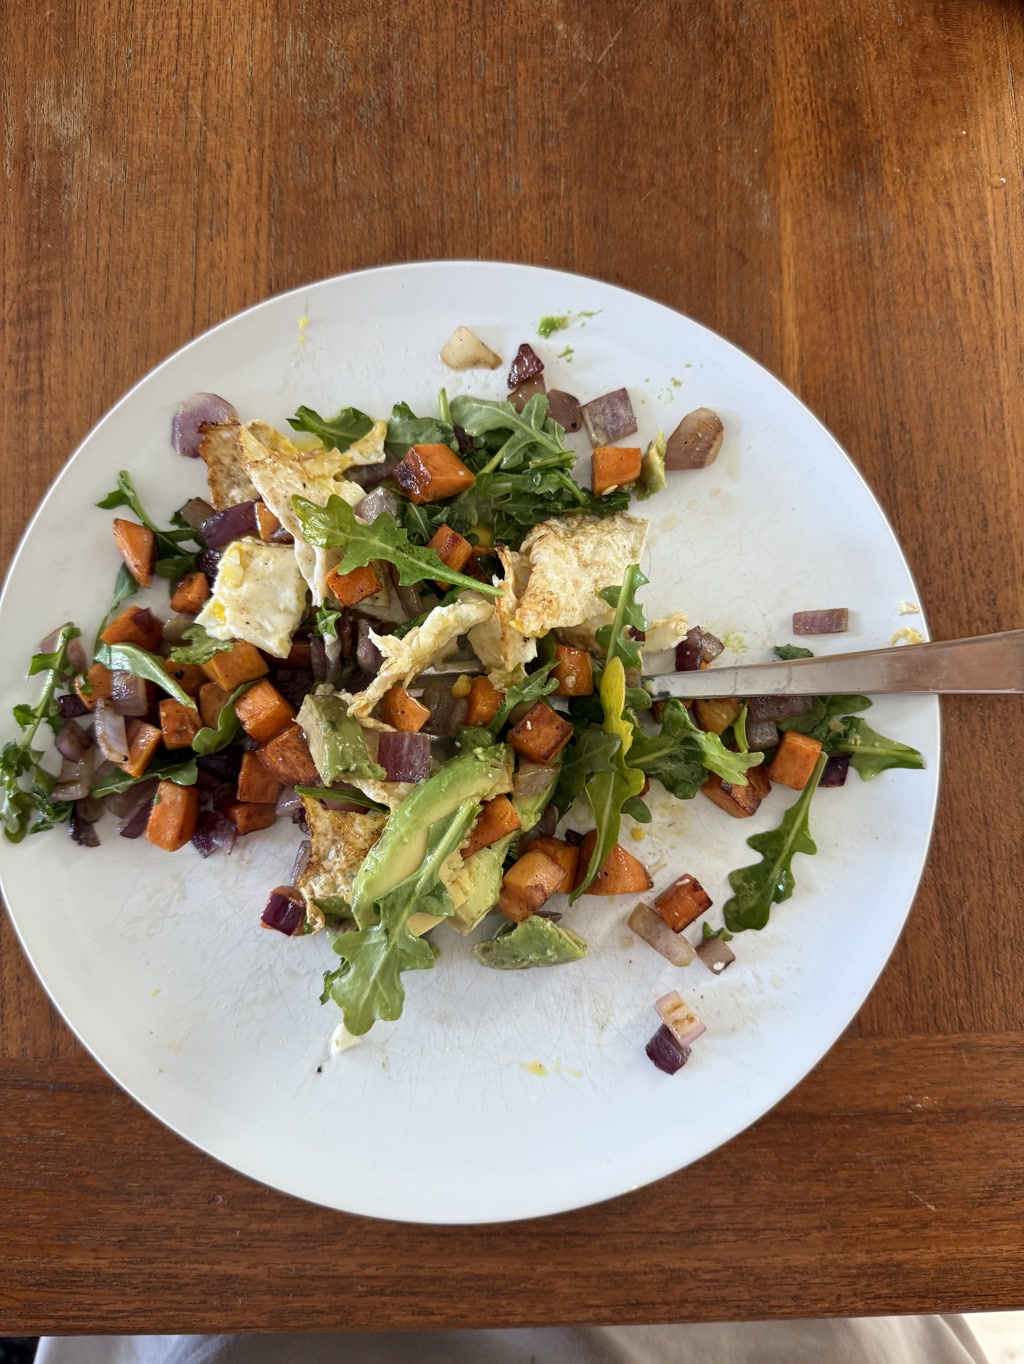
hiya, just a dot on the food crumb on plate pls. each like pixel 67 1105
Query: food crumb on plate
pixel 908 608
pixel 907 636
pixel 342 1040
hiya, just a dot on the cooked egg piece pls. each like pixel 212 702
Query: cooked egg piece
pixel 572 559
pixel 259 596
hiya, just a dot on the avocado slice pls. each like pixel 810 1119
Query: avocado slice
pixel 535 942
pixel 335 739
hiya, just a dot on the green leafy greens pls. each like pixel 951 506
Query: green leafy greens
pixel 681 755
pixel 336 433
pixel 129 658
pixel 125 586
pixel 182 771
pixel 212 738
pixel 352 796
pixel 176 549
pixel 534 686
pixel 787 652
pixel 871 753
pixel 199 647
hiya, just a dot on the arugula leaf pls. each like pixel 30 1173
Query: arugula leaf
pixel 449 597
pixel 756 888
pixel 617 639
pixel 444 408
pixel 739 729
pixel 326 623
pixel 129 658
pixel 199 647
pixel 182 771
pixel 637 809
pixel 352 796
pixel 825 720
pixel 335 527
pixel 706 931
pixel 336 433
pixel 176 549
pixel 871 753
pixel 29 809
pixel 125 586
pixel 405 430
pixel 368 984
pixel 532 688
pixel 590 751
pixel 527 430
pixel 212 738
pixel 681 753
pixel 608 791
pixel 652 469
pixel 787 652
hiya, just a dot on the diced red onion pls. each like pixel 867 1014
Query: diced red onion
pixel 303 856
pixel 223 766
pixel 832 621
pixel 195 511
pixel 695 442
pixel 134 825
pixel 648 924
pixel 761 734
pixel 282 537
pixel 548 822
pixel 564 409
pixel 72 707
pixel 347 633
pixel 409 597
pixel 73 742
pixel 438 699
pixel 372 475
pixel 715 954
pixel 464 439
pixel 573 837
pixel 174 629
pixel 207 561
pixel 294 684
pixel 343 806
pixel 679 1018
pixel 110 732
pixel 288 801
pixel 75 778
pixel 285 910
pixel 368 656
pixel 835 770
pixel 551 914
pixel 533 780
pixel 91 808
pixel 78 660
pixel 82 830
pixel 710 646
pixel 404 757
pixel 665 1051
pixel 528 389
pixel 696 647
pixel 526 365
pixel 128 694
pixel 778 707
pixel 122 803
pixel 609 418
pixel 375 503
pixel 214 833
pixel 233 523
pixel 202 409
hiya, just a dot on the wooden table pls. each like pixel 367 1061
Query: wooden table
pixel 837 188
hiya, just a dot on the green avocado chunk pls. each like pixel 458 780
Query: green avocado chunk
pixel 535 942
pixel 335 739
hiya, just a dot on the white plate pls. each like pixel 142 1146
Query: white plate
pixel 496 1096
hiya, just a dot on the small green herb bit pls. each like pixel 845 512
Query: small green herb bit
pixel 553 322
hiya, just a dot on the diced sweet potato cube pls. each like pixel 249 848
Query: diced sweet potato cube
pixel 497 820
pixel 564 854
pixel 137 546
pixel 172 820
pixel 288 759
pixel 134 626
pixel 189 676
pixel 143 742
pixel 574 671
pixel 614 466
pixel 453 549
pixel 243 663
pixel 794 760
pixel 190 593
pixel 738 801
pixel 402 711
pixel 264 712
pixel 300 655
pixel 528 883
pixel 541 734
pixel 212 700
pixel 682 902
pixel 620 874
pixel 266 520
pixel 484 701
pixel 97 684
pixel 431 472
pixel 718 714
pixel 352 588
pixel 179 724
pixel 248 818
pixel 256 785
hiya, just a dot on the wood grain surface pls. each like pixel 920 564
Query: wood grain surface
pixel 837 188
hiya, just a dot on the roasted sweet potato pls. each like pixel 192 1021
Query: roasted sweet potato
pixel 484 701
pixel 247 818
pixel 212 700
pixel 682 902
pixel 288 759
pixel 299 655
pixel 243 663
pixel 621 873
pixel 137 546
pixel 541 734
pixel 134 626
pixel 190 593
pixel 497 819
pixel 143 742
pixel 179 724
pixel 564 854
pixel 264 712
pixel 172 820
pixel 794 760
pixel 95 685
pixel 267 521
pixel 189 676
pixel 352 588
pixel 528 883
pixel 614 466
pixel 574 671
pixel 256 785
pixel 738 801
pixel 431 472
pixel 453 549
pixel 402 711
pixel 718 714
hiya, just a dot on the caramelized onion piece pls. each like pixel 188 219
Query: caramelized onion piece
pixel 609 418
pixel 526 365
pixel 696 441
pixel 564 409
pixel 463 350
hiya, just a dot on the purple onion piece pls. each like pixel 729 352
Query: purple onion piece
pixel 122 803
pixel 91 808
pixel 609 418
pixel 573 838
pixel 522 394
pixel 526 365
pixel 288 802
pixel 73 783
pixel 688 651
pixel 72 707
pixel 404 757
pixel 447 712
pixel 82 831
pixel 347 633
pixel 373 504
pixel 195 511
pixel 303 856
pixel 207 561
pixel 548 822
pixel 214 833
pixel 835 770
pixel 134 825
pixel 464 439
pixel 778 707
pixel 233 523
pixel 285 910
pixel 174 629
pixel 665 1051
pixel 223 766
pixel 202 409
pixel 564 409
pixel 282 537
pixel 761 734
pixel 710 646
pixel 77 656
pixel 551 914
pixel 695 442
pixel 408 597
pixel 109 732
pixel 73 742
pixel 294 684
pixel 372 475
pixel 715 954
pixel 128 694
pixel 832 621
pixel 342 806
pixel 368 656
